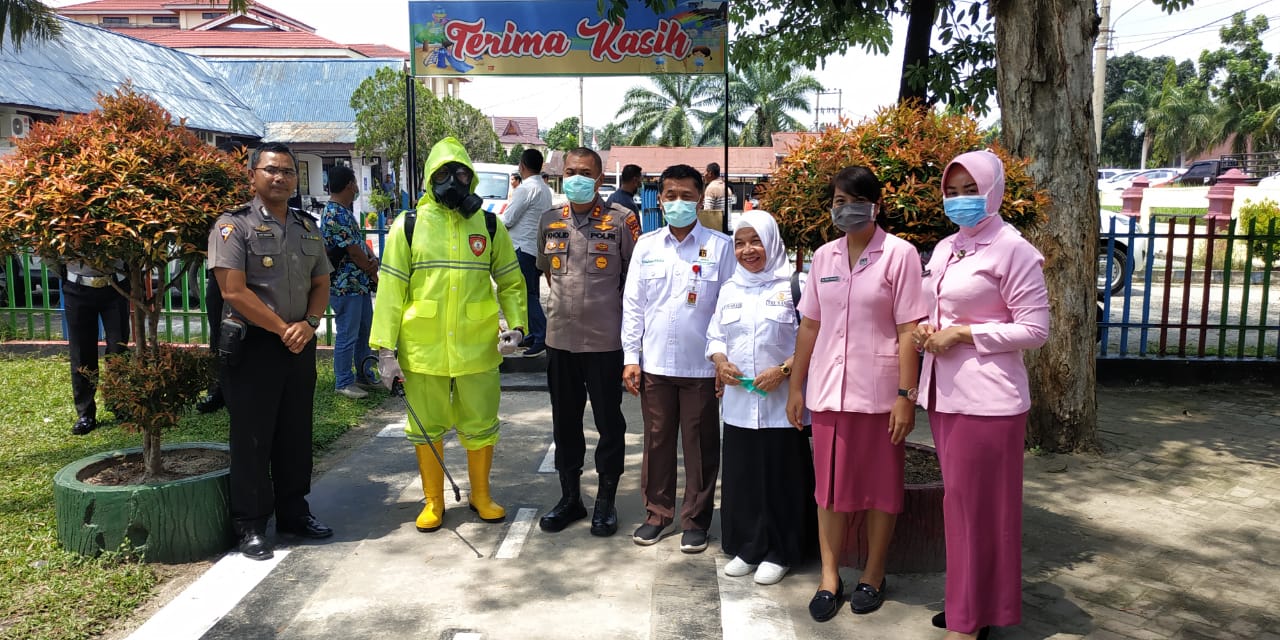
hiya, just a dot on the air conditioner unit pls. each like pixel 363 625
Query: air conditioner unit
pixel 16 127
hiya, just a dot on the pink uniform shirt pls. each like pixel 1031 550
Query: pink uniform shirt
pixel 855 358
pixel 991 279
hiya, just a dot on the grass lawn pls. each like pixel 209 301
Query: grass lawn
pixel 46 592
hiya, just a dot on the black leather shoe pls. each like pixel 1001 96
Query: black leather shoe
pixel 211 402
pixel 304 527
pixel 866 598
pixel 604 518
pixel 940 620
pixel 825 604
pixel 255 547
pixel 983 633
pixel 83 426
pixel 569 510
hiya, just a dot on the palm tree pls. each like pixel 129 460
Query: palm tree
pixel 1184 122
pixel 667 116
pixel 765 94
pixel 23 18
pixel 1135 109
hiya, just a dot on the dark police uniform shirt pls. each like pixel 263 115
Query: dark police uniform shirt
pixel 586 255
pixel 278 260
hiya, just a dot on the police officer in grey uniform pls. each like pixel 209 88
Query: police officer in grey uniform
pixel 271 266
pixel 584 248
pixel 87 295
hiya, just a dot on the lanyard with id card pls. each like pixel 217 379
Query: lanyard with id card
pixel 691 297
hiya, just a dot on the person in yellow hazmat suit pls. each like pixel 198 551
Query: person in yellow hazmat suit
pixel 435 324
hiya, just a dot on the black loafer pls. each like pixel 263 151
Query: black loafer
pixel 304 527
pixel 940 620
pixel 83 426
pixel 255 547
pixel 825 604
pixel 866 598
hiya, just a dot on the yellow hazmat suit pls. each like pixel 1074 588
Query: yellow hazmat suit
pixel 436 306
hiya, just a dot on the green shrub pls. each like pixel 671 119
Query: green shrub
pixel 1264 217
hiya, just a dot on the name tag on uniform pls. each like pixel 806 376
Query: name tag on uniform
pixel 830 279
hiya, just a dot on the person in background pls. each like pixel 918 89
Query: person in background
pixel 272 270
pixel 628 187
pixel 355 273
pixel 987 302
pixel 856 371
pixel 528 202
pixel 666 306
pixel 87 295
pixel 515 181
pixel 585 249
pixel 766 495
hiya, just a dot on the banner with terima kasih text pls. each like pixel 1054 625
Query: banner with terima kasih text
pixel 564 37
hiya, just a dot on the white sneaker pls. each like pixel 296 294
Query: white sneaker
pixel 353 392
pixel 770 573
pixel 738 567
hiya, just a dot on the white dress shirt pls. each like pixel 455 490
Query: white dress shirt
pixel 755 327
pixel 528 202
pixel 670 295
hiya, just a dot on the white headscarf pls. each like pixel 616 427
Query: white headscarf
pixel 775 253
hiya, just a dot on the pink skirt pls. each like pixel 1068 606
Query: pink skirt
pixel 855 466
pixel 981 458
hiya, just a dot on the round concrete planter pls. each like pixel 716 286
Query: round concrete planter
pixel 919 541
pixel 178 521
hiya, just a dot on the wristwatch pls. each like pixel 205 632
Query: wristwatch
pixel 314 321
pixel 786 370
pixel 909 394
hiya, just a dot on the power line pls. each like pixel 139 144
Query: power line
pixel 1201 27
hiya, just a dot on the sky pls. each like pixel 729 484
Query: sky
pixel 865 81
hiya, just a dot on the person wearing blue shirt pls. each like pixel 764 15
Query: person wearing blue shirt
pixel 355 272
pixel 628 187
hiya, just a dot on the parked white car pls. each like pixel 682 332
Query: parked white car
pixel 1154 177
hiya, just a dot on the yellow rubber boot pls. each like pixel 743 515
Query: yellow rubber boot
pixel 432 515
pixel 478 464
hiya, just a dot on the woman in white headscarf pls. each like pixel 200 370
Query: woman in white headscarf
pixel 767 510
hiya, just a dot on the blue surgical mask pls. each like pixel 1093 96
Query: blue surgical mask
pixel 680 213
pixel 580 189
pixel 965 211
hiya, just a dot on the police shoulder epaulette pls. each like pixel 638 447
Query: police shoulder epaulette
pixel 240 210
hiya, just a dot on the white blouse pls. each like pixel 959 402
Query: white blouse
pixel 755 327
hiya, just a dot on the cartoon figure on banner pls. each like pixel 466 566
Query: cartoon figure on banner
pixel 436 46
pixel 700 57
pixel 660 64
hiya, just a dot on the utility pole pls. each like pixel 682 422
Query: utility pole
pixel 1100 70
pixel 819 110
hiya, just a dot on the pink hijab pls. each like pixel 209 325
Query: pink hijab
pixel 987 172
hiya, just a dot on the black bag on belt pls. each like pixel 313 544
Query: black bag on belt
pixel 231 342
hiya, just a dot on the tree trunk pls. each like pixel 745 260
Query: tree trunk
pixel 916 47
pixel 1044 85
pixel 1146 150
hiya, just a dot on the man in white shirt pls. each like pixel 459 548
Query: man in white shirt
pixel 528 202
pixel 670 294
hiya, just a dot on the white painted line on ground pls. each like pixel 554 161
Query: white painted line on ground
pixel 203 603
pixel 392 430
pixel 516 534
pixel 549 461
pixel 747 612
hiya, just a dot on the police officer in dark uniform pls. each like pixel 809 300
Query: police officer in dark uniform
pixel 87 295
pixel 585 248
pixel 271 267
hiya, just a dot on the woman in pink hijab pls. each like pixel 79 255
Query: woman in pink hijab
pixel 987 303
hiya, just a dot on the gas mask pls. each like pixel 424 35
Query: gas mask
pixel 451 186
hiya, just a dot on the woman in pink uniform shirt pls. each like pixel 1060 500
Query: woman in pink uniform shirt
pixel 860 305
pixel 987 303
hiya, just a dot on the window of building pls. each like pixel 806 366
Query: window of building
pixel 211 15
pixel 115 20
pixel 164 19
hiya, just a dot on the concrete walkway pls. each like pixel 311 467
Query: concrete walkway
pixel 1174 532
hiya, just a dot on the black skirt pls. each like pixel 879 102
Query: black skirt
pixel 767 511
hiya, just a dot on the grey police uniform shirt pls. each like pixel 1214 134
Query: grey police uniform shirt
pixel 587 256
pixel 101 279
pixel 278 260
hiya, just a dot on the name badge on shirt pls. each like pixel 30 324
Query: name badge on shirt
pixel 830 279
